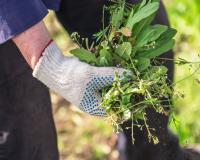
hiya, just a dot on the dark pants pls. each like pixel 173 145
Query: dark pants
pixel 27 130
pixel 85 17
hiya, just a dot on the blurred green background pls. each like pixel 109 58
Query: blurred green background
pixel 86 138
pixel 185 17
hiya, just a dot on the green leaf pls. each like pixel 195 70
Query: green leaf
pixel 158 30
pixel 105 58
pixel 156 72
pixel 130 19
pixel 126 99
pixel 85 55
pixel 149 34
pixel 143 64
pixel 142 4
pixel 101 34
pixel 142 13
pixel 117 17
pixel 163 70
pixel 134 50
pixel 163 44
pixel 124 50
pixel 167 35
pixel 103 61
pixel 142 24
pixel 159 50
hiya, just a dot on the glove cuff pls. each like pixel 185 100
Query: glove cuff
pixel 50 55
pixel 49 67
pixel 62 74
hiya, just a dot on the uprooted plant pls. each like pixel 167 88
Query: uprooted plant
pixel 130 41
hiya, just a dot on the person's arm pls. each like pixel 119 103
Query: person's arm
pixel 32 42
pixel 77 82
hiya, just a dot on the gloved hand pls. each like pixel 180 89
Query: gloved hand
pixel 77 82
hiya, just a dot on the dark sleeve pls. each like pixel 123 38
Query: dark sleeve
pixel 52 4
pixel 18 15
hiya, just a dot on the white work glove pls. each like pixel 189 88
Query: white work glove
pixel 77 82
